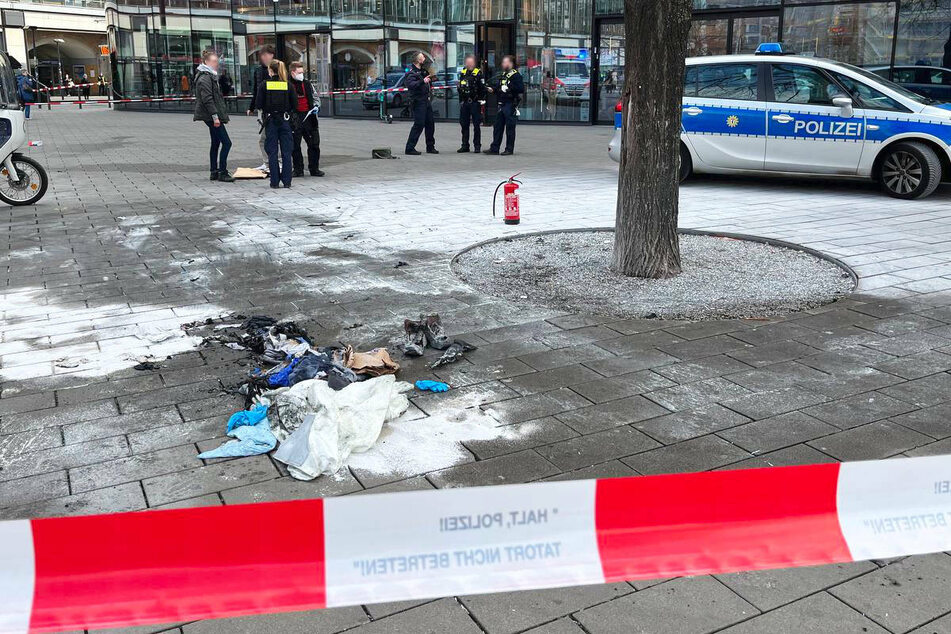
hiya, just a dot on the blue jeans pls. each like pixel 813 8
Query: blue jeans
pixel 220 146
pixel 279 136
pixel 26 111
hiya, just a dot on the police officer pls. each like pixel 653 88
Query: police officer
pixel 471 98
pixel 508 87
pixel 420 86
pixel 276 99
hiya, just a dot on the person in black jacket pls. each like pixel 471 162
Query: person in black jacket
pixel 305 123
pixel 210 108
pixel 420 86
pixel 265 56
pixel 471 98
pixel 508 87
pixel 277 101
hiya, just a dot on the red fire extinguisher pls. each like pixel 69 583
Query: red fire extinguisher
pixel 509 199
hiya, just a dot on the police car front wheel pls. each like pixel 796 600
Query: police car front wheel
pixel 910 170
pixel 686 164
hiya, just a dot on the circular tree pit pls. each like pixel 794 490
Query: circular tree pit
pixel 723 276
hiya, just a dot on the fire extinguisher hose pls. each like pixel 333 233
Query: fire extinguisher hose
pixel 496 195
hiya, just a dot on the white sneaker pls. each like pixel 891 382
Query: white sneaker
pixel 262 167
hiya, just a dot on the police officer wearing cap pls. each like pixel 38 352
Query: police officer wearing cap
pixel 508 88
pixel 471 98
pixel 420 86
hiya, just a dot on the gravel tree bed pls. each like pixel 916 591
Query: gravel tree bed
pixel 722 277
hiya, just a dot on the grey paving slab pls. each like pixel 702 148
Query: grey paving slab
pixel 690 423
pixel 817 614
pixel 859 409
pixel 769 589
pixel 902 595
pixel 871 441
pixel 445 615
pixel 777 432
pixel 681 606
pixel 774 402
pixel 518 410
pixel 207 479
pixel 698 454
pixel 331 620
pixel 509 469
pixel 598 447
pixel 593 418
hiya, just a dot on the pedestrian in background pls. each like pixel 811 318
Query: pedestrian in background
pixel 508 88
pixel 471 99
pixel 25 89
pixel 210 108
pixel 84 80
pixel 277 101
pixel 261 73
pixel 225 82
pixel 100 86
pixel 420 85
pixel 305 123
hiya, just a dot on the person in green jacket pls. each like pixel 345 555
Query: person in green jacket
pixel 210 108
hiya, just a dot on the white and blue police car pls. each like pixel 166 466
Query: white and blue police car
pixel 783 114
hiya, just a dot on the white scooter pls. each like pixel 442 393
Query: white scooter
pixel 23 181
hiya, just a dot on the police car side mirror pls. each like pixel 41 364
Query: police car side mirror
pixel 844 103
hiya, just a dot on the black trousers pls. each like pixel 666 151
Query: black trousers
pixel 309 132
pixel 471 112
pixel 504 122
pixel 422 120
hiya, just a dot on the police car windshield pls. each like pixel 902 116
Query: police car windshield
pixel 878 79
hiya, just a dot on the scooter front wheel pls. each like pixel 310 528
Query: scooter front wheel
pixel 29 188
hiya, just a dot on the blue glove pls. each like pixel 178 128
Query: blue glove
pixel 432 386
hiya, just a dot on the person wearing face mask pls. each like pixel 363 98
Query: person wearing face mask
pixel 305 123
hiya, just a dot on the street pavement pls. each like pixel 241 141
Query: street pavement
pixel 132 241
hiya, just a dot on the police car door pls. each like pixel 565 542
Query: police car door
pixel 724 118
pixel 806 130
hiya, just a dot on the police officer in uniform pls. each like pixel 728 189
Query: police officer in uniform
pixel 276 99
pixel 471 98
pixel 419 84
pixel 508 88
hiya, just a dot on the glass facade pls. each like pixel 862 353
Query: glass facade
pixel 570 52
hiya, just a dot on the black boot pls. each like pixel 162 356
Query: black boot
pixel 316 173
pixel 464 149
pixel 214 175
pixel 225 177
pixel 298 173
pixel 435 336
pixel 415 339
pixel 432 150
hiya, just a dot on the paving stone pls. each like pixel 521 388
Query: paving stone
pixel 698 454
pixel 770 353
pixel 924 392
pixel 902 595
pixel 64 457
pixel 774 402
pixel 871 441
pixel 635 326
pixel 911 343
pixel 505 350
pixel 547 360
pixel 682 606
pixel 859 409
pixel 777 376
pixel 640 343
pixel 328 620
pixel 577 337
pixel 33 488
pixel 934 421
pixel 697 394
pixel 463 397
pixel 288 488
pixel 508 613
pixel 771 333
pixel 705 329
pixel 166 397
pixel 846 361
pixel 25 441
pixel 599 447
pixel 777 432
pixel 208 479
pixel 510 469
pixel 609 365
pixel 221 406
pixel 416 483
pixel 460 374
pixel 818 614
pixel 609 469
pixel 706 368
pixel 769 589
pixel 119 425
pixel 115 499
pixel 518 410
pixel 916 366
pixel 794 455
pixel 133 468
pixel 26 403
pixel 437 617
pixel 864 380
pixel 690 423
pixel 561 626
pixel 110 389
pixel 707 347
pixel 177 434
pixel 520 331
pixel 553 379
pixel 601 389
pixel 56 416
pixel 209 499
pixel 527 435
pixel 603 416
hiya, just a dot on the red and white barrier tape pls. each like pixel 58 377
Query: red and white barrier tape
pixel 181 565
pixel 67 86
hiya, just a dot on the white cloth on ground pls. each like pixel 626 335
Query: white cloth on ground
pixel 337 423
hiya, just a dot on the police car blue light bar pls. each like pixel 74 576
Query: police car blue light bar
pixel 769 48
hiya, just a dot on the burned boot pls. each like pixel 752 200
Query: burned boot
pixel 415 339
pixel 453 354
pixel 435 336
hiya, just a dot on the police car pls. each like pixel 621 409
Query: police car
pixel 776 113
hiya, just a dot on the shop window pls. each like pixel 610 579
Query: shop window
pixel 859 34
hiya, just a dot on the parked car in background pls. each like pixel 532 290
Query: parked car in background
pixel 785 114
pixel 930 81
pixel 394 99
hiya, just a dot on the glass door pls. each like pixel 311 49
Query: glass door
pixel 608 73
pixel 495 40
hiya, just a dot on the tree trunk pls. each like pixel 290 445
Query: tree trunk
pixel 645 240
